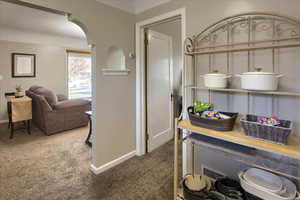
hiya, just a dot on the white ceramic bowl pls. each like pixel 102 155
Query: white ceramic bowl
pixel 290 192
pixel 263 180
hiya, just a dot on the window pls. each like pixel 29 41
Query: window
pixel 79 75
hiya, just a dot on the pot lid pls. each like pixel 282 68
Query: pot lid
pixel 258 71
pixel 261 178
pixel 216 73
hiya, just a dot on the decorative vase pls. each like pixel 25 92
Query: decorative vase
pixel 19 94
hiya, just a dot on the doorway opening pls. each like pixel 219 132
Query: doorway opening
pixel 48 34
pixel 159 44
pixel 162 80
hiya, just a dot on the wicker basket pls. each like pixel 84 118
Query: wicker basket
pixel 278 134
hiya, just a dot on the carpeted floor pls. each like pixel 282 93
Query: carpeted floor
pixel 38 167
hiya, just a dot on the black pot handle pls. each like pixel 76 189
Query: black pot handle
pixel 191 109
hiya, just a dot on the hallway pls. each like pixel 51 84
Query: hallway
pixel 38 167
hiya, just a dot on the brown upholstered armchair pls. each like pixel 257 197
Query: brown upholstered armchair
pixel 55 113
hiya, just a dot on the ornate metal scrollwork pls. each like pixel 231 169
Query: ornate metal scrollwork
pixel 262 25
pixel 272 26
pixel 286 30
pixel 240 27
pixel 189 45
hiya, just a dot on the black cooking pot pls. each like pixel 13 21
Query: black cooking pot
pixel 192 195
pixel 200 195
pixel 229 188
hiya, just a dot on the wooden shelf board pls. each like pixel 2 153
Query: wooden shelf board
pixel 278 93
pixel 292 149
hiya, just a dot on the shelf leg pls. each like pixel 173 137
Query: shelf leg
pixel 176 160
pixel 193 159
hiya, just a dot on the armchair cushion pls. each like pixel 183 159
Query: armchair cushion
pixel 62 97
pixel 71 104
pixel 48 94
pixel 33 88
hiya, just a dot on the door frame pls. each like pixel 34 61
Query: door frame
pixel 140 72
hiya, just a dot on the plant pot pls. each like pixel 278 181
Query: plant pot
pixel 19 94
pixel 258 80
pixel 215 80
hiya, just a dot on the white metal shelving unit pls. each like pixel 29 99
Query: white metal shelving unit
pixel 233 90
pixel 285 34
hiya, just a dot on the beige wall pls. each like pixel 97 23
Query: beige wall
pixel 51 71
pixel 202 13
pixel 173 29
pixel 115 105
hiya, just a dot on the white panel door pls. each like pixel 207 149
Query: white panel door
pixel 159 90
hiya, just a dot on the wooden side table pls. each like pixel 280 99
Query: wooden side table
pixel 19 110
pixel 87 141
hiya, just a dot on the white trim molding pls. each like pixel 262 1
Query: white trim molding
pixel 140 73
pixel 115 72
pixel 105 167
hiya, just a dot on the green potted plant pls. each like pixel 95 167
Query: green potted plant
pixel 19 91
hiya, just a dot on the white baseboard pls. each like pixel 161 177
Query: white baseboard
pixel 3 121
pixel 105 167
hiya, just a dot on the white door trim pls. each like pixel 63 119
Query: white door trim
pixel 140 73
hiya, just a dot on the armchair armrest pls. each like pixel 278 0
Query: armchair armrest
pixel 71 104
pixel 44 104
pixel 61 97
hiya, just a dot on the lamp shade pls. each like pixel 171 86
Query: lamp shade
pixel 1 77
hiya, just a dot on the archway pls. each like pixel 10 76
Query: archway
pixel 68 17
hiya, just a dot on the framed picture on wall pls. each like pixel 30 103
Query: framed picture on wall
pixel 23 65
